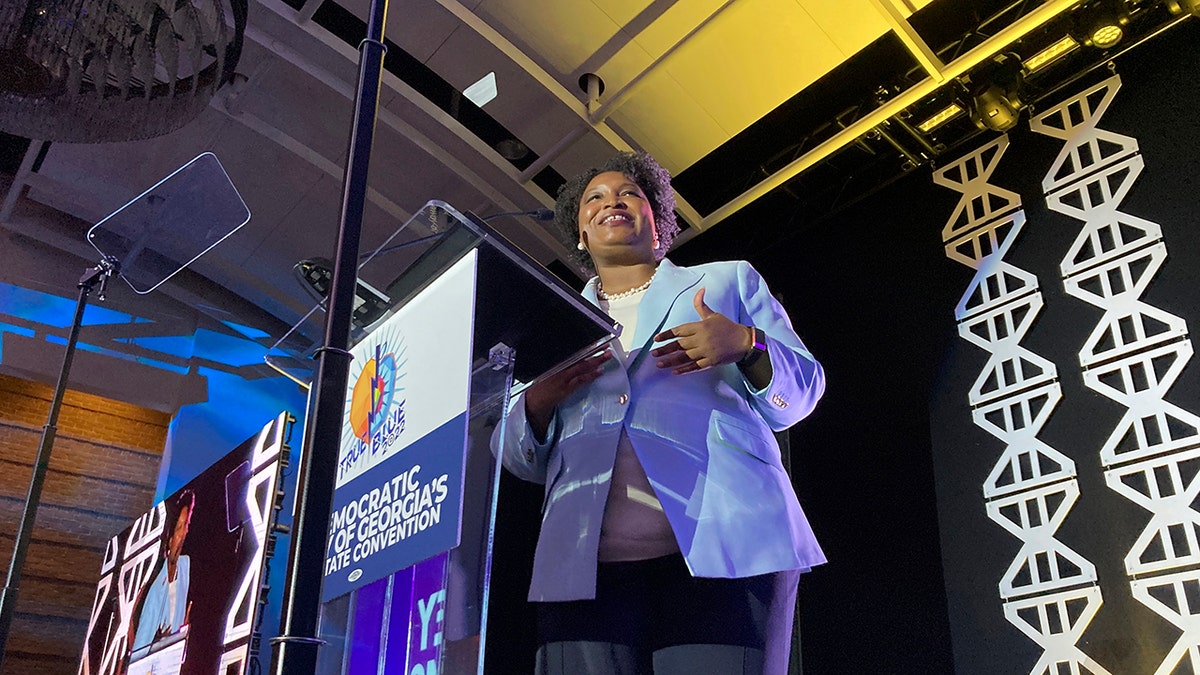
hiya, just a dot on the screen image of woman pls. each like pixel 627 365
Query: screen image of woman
pixel 164 605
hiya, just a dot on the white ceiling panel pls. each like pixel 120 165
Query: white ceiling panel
pixel 417 26
pixel 560 34
pixel 293 103
pixel 740 66
pixel 849 25
pixel 522 105
pixel 669 122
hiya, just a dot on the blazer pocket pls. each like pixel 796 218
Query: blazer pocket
pixel 754 440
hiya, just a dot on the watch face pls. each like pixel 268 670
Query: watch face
pixel 760 340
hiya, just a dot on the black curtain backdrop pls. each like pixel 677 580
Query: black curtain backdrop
pixel 872 296
pixel 1156 104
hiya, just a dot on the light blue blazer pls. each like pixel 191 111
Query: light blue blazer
pixel 704 439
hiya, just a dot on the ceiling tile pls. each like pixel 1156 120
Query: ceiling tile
pixel 753 57
pixel 522 105
pixel 561 34
pixel 850 25
pixel 676 22
pixel 300 107
pixel 624 12
pixel 419 27
pixel 665 120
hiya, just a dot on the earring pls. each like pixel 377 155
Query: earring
pixel 580 246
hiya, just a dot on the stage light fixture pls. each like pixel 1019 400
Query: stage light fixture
pixel 1107 35
pixel 996 93
pixel 996 110
pixel 1051 54
pixel 940 117
pixel 511 149
pixel 1184 7
pixel 1101 24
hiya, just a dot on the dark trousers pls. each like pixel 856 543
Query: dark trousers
pixel 653 616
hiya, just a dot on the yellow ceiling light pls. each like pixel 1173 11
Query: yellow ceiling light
pixel 1050 54
pixel 1107 36
pixel 1184 6
pixel 940 117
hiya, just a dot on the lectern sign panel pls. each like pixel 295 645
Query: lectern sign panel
pixel 398 498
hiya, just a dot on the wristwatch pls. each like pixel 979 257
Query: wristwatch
pixel 757 349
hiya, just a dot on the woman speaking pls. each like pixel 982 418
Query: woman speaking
pixel 671 538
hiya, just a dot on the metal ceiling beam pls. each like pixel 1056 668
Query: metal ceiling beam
pixel 19 182
pixel 326 165
pixel 523 61
pixel 913 42
pixel 993 45
pixel 394 121
pixel 345 89
pixel 307 10
pixel 523 179
pixel 615 100
pixel 566 97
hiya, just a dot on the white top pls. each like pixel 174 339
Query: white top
pixel 634 526
pixel 172 601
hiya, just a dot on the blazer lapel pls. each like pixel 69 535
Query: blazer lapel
pixel 670 283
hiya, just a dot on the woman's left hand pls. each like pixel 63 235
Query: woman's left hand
pixel 712 341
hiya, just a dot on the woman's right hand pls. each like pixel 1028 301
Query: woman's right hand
pixel 542 398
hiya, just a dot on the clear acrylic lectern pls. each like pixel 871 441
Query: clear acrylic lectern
pixel 449 316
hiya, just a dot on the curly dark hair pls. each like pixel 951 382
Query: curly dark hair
pixel 185 500
pixel 654 181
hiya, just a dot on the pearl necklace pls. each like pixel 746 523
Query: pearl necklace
pixel 623 294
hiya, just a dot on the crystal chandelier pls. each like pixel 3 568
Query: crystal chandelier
pixel 90 71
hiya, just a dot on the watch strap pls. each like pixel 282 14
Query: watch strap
pixel 757 349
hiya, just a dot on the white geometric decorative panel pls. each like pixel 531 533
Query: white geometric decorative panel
pixel 1044 563
pixel 1133 356
pixel 1056 622
pixel 1166 487
pixel 996 282
pixel 1026 464
pixel 1087 146
pixel 1128 324
pixel 1151 426
pixel 1049 591
pixel 982 203
pixel 1173 597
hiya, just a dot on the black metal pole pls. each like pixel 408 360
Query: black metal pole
pixel 8 597
pixel 297 644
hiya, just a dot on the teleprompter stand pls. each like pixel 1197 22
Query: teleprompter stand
pixel 145 242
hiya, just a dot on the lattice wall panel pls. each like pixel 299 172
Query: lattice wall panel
pixel 1048 591
pixel 1133 356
